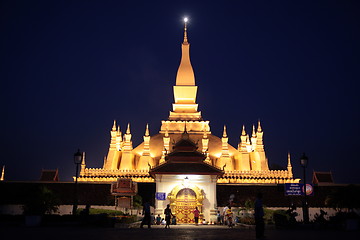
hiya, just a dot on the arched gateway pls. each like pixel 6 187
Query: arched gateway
pixel 188 181
pixel 185 204
pixel 183 201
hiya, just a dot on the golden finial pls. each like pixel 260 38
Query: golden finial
pixel 289 160
pixel 128 129
pixel 2 173
pixel 243 133
pixel 147 130
pixel 185 30
pixel 259 126
pixel 83 159
pixel 224 132
pixel 114 126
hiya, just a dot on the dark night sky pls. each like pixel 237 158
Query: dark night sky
pixel 69 68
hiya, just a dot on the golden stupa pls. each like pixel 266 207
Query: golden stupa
pixel 246 163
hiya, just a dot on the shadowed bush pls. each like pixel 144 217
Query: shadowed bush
pixel 96 211
pixel 281 218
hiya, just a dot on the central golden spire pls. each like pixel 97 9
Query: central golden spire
pixel 185 107
pixel 185 75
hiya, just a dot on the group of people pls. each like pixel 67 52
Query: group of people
pixel 169 217
pixel 225 218
pixel 147 219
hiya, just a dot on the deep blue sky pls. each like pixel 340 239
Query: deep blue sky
pixel 69 68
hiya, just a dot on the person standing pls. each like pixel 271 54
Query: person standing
pixel 224 214
pixel 196 216
pixel 259 217
pixel 229 216
pixel 168 215
pixel 147 215
pixel 152 217
pixel 219 218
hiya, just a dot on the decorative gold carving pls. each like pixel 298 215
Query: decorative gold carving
pixel 246 164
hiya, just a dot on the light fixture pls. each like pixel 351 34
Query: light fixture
pixel 186 182
pixel 304 160
pixel 78 157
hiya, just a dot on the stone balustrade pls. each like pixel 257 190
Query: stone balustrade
pixel 265 176
pixel 235 176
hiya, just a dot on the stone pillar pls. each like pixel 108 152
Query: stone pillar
pixel 213 210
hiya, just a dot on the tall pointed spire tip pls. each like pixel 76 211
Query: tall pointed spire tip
pixel 2 173
pixel 289 160
pixel 243 132
pixel 185 30
pixel 147 130
pixel 224 133
pixel 259 126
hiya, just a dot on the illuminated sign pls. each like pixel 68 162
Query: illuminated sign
pixel 297 189
pixel 160 196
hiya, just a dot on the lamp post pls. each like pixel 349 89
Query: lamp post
pixel 77 160
pixel 304 162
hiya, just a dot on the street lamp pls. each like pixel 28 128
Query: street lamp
pixel 304 162
pixel 77 160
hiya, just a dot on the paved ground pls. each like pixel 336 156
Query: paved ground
pixel 182 232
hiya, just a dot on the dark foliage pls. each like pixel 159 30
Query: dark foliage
pixel 347 197
pixel 41 201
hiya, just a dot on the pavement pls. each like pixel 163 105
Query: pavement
pixel 182 232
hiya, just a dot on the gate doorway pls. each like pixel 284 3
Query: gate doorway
pixel 185 204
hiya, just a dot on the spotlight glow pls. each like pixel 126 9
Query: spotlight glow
pixel 186 19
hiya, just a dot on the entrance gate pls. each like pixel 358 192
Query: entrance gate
pixel 183 202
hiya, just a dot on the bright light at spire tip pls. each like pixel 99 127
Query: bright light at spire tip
pixel 186 19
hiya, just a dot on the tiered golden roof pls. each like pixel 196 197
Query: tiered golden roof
pixel 245 164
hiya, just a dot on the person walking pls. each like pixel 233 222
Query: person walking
pixel 147 215
pixel 196 215
pixel 168 215
pixel 259 217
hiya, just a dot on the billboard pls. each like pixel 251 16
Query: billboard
pixel 297 189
